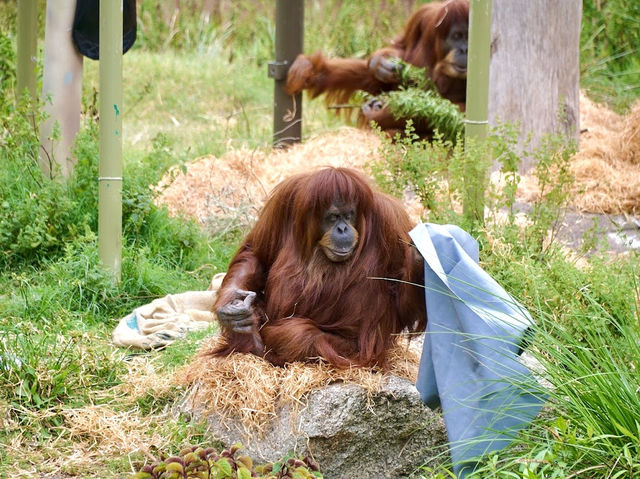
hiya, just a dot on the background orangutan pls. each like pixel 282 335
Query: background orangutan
pixel 306 282
pixel 435 38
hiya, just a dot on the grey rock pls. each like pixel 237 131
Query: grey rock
pixel 350 432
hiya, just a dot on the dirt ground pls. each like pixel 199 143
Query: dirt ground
pixel 606 170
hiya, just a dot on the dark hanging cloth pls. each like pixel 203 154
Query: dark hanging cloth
pixel 86 27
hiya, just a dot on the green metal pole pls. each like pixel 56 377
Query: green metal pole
pixel 110 169
pixel 27 46
pixel 477 109
pixel 287 110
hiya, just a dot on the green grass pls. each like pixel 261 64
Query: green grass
pixel 198 88
pixel 610 51
pixel 590 356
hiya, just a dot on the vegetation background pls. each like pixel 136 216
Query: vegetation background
pixel 196 84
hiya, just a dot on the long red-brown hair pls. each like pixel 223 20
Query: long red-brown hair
pixel 427 28
pixel 311 306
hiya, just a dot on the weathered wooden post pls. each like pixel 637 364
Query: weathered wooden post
pixel 476 122
pixel 27 48
pixel 287 110
pixel 110 169
pixel 535 68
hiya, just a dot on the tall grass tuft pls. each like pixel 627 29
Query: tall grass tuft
pixel 610 51
pixel 591 427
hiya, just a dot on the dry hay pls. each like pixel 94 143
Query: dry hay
pixel 246 389
pixel 99 431
pixel 142 379
pixel 607 167
pixel 629 137
pixel 239 182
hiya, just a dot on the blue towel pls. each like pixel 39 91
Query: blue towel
pixel 469 362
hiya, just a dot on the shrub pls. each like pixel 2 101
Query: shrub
pixel 198 462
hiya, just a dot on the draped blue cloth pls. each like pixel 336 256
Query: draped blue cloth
pixel 469 364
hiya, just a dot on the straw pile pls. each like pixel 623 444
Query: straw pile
pixel 607 167
pixel 246 389
pixel 239 182
pixel 99 431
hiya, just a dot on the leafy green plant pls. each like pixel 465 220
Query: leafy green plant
pixel 197 462
pixel 7 67
pixel 505 152
pixel 438 173
pixel 430 169
pixel 426 106
pixel 36 215
pixel 418 99
pixel 554 179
